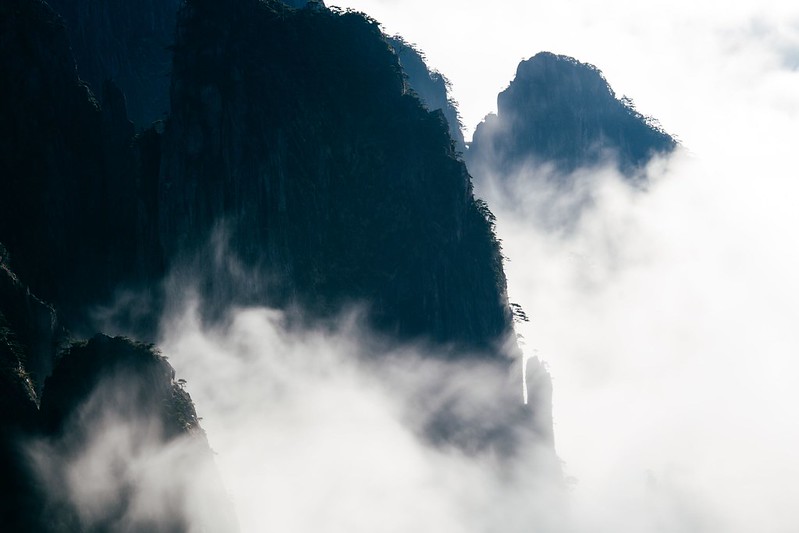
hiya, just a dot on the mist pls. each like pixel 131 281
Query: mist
pixel 314 430
pixel 666 316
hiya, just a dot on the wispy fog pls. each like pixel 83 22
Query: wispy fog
pixel 315 432
pixel 667 319
pixel 114 469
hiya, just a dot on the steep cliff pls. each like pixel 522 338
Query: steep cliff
pixel 430 86
pixel 291 130
pixel 51 156
pixel 293 127
pixel 562 112
pixel 295 169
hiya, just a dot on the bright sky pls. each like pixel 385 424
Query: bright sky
pixel 669 56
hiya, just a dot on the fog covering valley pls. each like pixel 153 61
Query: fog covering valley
pixel 648 383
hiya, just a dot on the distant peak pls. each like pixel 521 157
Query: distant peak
pixel 560 73
pixel 562 111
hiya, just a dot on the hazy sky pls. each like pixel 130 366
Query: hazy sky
pixel 669 56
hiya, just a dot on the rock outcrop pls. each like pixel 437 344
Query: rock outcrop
pixel 29 338
pixel 562 112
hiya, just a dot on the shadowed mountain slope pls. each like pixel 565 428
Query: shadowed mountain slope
pixel 75 210
pixel 293 128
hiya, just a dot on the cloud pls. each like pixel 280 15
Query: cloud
pixel 316 431
pixel 665 318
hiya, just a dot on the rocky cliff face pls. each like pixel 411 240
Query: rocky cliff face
pixel 563 112
pixel 294 128
pixel 293 146
pixel 50 157
pixel 431 87
pixel 31 328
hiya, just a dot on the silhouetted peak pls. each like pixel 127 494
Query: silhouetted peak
pixel 556 78
pixel 563 112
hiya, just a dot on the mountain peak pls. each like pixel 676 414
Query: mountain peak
pixel 561 111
